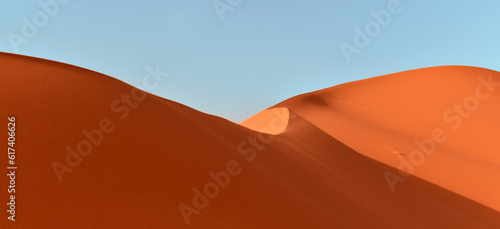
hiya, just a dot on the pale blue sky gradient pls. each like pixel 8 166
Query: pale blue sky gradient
pixel 263 52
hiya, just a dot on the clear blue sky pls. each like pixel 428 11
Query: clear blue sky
pixel 262 52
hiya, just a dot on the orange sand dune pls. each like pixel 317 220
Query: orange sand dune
pixel 441 124
pixel 94 152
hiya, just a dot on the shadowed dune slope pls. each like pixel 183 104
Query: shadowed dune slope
pixel 94 152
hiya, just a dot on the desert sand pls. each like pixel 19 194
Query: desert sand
pixel 95 152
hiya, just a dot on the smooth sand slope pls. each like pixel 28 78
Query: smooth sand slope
pixel 441 124
pixel 93 152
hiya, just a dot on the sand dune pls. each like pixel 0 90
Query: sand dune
pixel 94 152
pixel 441 124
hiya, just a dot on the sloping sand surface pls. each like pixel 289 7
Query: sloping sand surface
pixel 93 152
pixel 270 121
pixel 441 124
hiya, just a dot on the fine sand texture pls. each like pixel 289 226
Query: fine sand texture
pixel 95 152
